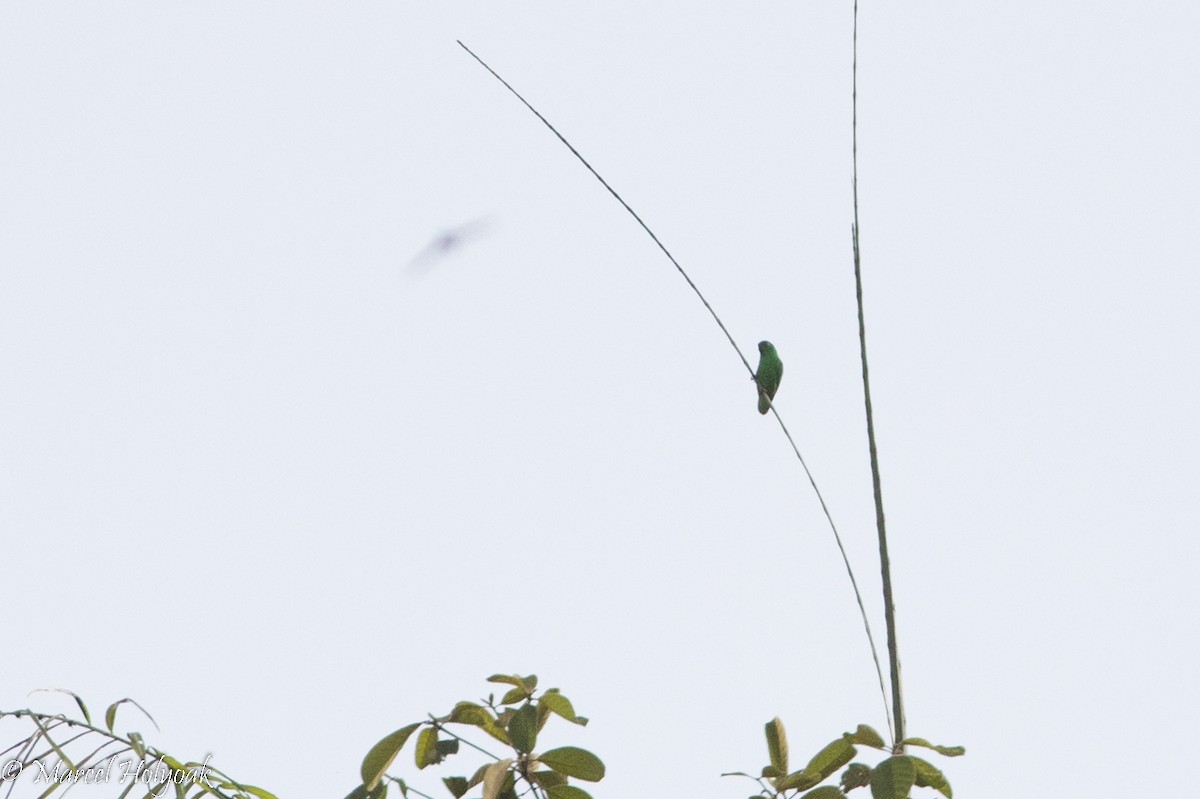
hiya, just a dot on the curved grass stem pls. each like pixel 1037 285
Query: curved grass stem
pixel 812 481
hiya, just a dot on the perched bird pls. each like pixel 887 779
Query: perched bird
pixel 770 372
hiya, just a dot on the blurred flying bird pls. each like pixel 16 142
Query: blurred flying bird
pixel 446 243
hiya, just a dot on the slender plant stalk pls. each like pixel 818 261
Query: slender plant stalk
pixel 889 607
pixel 437 723
pixel 405 788
pixel 25 749
pixel 812 481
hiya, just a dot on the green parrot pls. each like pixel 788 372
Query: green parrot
pixel 770 372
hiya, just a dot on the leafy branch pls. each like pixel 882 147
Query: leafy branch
pixel 515 720
pixel 892 778
pixel 60 752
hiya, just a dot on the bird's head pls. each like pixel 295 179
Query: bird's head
pixel 765 346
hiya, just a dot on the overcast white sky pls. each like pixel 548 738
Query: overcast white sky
pixel 291 495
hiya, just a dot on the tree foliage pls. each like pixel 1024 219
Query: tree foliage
pixel 891 778
pixel 59 752
pixel 516 721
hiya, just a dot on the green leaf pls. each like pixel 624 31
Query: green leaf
pixel 948 751
pixel 928 776
pixel 522 730
pixel 837 754
pixel 547 778
pixel 494 778
pixel 526 684
pixel 514 695
pixel 893 778
pixel 856 775
pixel 506 679
pixel 380 758
pixel 263 793
pixel 867 737
pixel 135 742
pixel 777 747
pixel 825 792
pixel 574 762
pixel 110 715
pixel 156 789
pixel 568 792
pixel 45 734
pixel 497 732
pixel 446 747
pixel 798 781
pixel 470 713
pixel 78 700
pixel 561 706
pixel 456 785
pixel 362 792
pixel 426 754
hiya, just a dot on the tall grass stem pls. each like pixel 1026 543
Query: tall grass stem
pixel 885 565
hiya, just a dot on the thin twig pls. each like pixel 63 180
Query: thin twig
pixel 408 788
pixel 889 607
pixel 442 728
pixel 613 192
pixel 812 481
